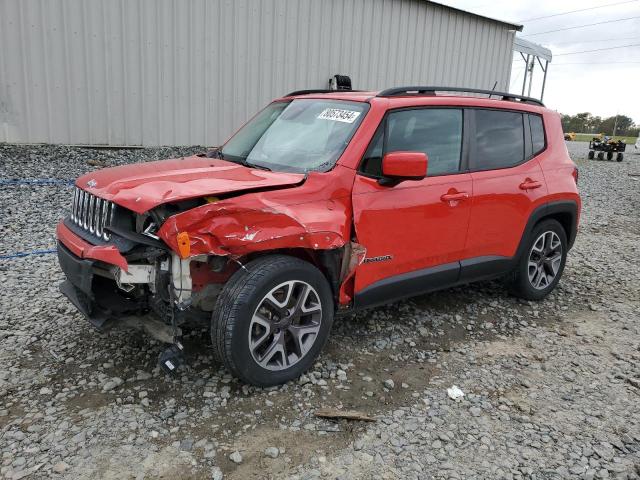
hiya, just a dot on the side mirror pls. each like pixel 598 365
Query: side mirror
pixel 398 166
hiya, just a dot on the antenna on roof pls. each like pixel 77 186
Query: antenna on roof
pixel 494 86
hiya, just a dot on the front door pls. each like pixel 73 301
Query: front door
pixel 417 227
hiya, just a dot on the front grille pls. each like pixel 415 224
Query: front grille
pixel 92 213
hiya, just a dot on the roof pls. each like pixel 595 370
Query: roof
pixel 415 100
pixel 513 26
pixel 525 46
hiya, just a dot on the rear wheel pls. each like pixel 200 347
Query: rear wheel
pixel 272 319
pixel 542 263
pixel 619 157
pixel 601 156
pixel 591 154
pixel 609 156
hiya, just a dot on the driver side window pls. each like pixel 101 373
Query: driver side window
pixel 434 131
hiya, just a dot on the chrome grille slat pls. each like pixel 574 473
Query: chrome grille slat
pixel 77 206
pixel 103 221
pixel 92 213
pixel 99 217
pixel 108 219
pixel 85 210
pixel 73 204
pixel 81 208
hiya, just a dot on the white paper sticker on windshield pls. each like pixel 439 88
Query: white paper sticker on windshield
pixel 339 115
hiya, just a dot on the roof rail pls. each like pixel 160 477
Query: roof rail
pixel 394 92
pixel 308 92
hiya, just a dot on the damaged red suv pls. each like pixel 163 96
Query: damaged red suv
pixel 323 202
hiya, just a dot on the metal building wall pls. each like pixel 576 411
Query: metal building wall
pixel 189 72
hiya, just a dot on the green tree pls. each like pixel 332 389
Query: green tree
pixel 586 123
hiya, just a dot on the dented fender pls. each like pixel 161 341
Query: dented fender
pixel 315 215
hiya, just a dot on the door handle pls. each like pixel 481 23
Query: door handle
pixel 454 196
pixel 529 184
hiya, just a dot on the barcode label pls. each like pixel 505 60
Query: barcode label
pixel 339 115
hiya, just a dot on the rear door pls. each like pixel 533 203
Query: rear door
pixel 416 224
pixel 507 180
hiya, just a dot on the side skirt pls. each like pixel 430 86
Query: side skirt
pixel 431 279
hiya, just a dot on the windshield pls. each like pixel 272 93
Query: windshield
pixel 297 136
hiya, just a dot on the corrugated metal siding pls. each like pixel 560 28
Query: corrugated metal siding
pixel 169 72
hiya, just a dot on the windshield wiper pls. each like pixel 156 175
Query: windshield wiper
pixel 236 159
pixel 255 165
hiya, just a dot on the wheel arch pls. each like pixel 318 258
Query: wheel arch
pixel 329 262
pixel 564 212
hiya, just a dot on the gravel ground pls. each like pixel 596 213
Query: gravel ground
pixel 552 389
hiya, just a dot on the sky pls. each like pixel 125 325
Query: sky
pixel 582 82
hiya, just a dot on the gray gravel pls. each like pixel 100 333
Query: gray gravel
pixel 552 389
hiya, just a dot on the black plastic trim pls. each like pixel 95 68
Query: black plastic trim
pixel 77 270
pixel 484 268
pixel 563 206
pixel 528 148
pixel 96 318
pixel 408 285
pixel 138 238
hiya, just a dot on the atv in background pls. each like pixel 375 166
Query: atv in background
pixel 607 146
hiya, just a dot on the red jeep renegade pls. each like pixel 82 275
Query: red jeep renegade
pixel 323 202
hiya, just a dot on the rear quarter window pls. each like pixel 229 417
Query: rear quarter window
pixel 537 133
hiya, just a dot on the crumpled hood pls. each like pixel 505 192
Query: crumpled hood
pixel 143 186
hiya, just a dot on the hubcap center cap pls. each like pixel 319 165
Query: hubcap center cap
pixel 283 323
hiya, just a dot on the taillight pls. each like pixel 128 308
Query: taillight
pixel 575 174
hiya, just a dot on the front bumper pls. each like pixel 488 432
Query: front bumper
pixel 109 291
pixel 96 297
pixel 104 253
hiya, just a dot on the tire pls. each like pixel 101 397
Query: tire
pixel 609 156
pixel 619 157
pixel 591 154
pixel 601 156
pixel 521 283
pixel 253 307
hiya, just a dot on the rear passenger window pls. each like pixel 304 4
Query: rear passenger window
pixel 436 132
pixel 537 133
pixel 499 139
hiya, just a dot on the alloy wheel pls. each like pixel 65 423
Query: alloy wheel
pixel 285 325
pixel 545 258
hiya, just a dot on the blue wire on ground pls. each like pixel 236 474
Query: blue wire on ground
pixel 35 181
pixel 26 254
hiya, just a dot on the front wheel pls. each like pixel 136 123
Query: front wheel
pixel 541 265
pixel 271 320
